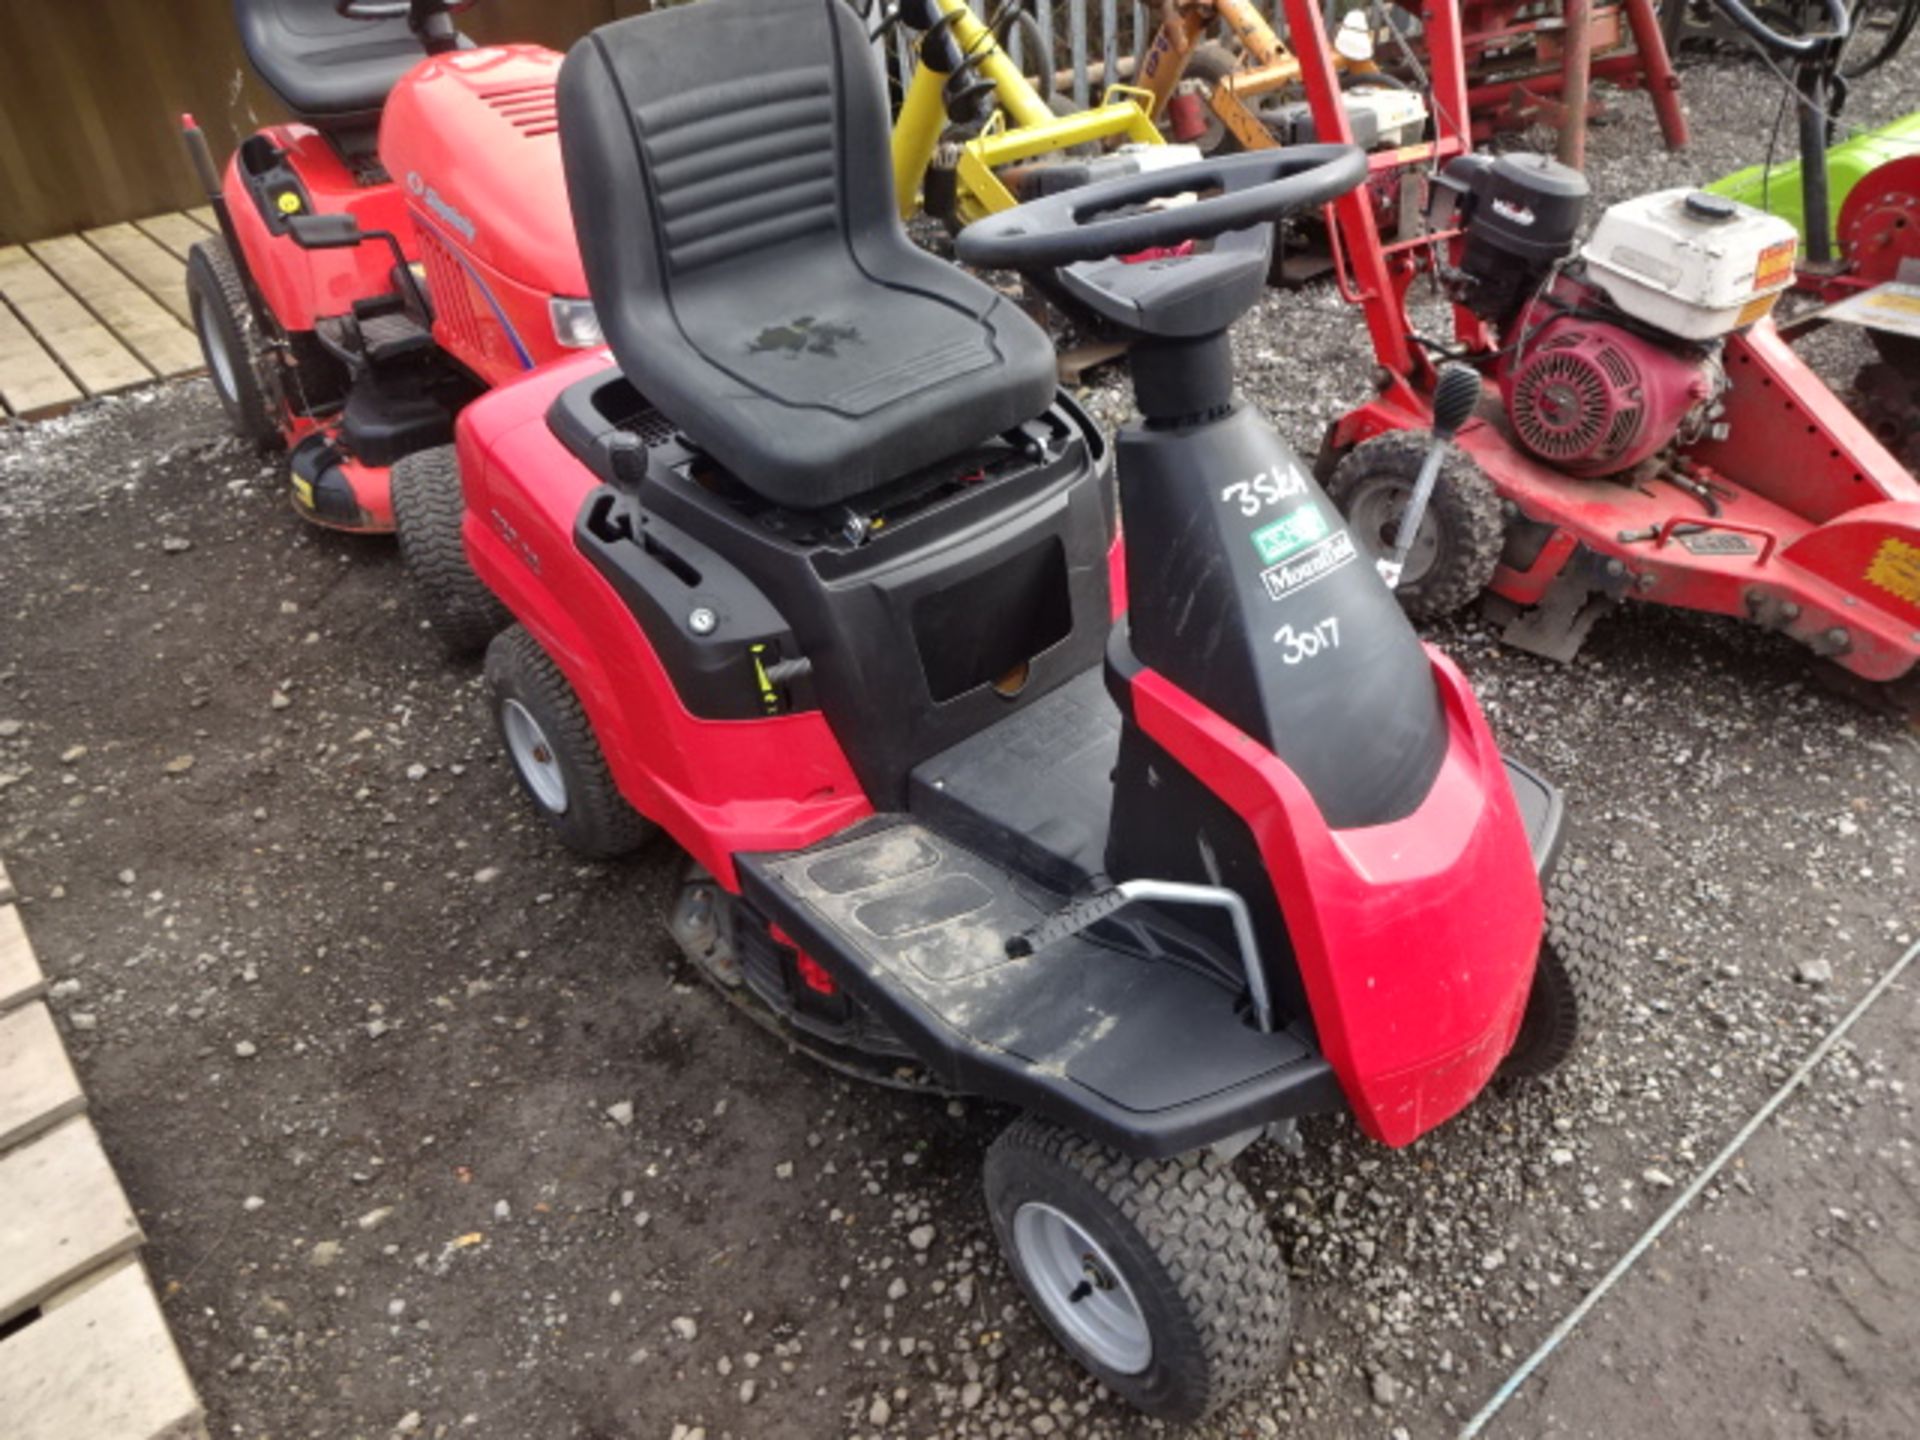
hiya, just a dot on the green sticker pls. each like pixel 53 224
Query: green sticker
pixel 1290 533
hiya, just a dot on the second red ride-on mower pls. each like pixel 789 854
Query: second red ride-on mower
pixel 1165 847
pixel 1655 439
pixel 401 246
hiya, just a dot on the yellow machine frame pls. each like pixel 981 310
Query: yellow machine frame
pixel 1023 124
pixel 1184 25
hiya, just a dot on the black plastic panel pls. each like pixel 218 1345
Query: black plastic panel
pixel 1143 1051
pixel 1035 789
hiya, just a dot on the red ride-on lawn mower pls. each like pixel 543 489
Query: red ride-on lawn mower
pixel 402 246
pixel 1164 846
pixel 1655 439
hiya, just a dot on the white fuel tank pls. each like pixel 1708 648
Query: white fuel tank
pixel 1695 265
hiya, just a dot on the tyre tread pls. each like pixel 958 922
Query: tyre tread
pixel 1578 983
pixel 1208 1235
pixel 253 414
pixel 1464 503
pixel 599 823
pixel 428 510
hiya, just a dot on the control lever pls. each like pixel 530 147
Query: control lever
pixel 1454 397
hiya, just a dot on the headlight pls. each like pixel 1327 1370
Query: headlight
pixel 575 326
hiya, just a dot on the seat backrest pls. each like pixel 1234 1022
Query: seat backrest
pixel 719 132
pixel 329 70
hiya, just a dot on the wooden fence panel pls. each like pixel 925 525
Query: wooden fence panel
pixel 91 91
pixel 91 94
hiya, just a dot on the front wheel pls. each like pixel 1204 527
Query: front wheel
pixel 239 360
pixel 428 510
pixel 555 753
pixel 1159 1276
pixel 1458 544
pixel 1576 982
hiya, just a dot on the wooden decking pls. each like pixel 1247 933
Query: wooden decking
pixel 84 1348
pixel 89 314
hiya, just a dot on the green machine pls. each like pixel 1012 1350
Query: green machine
pixel 1776 189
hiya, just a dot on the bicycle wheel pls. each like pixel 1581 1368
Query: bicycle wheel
pixel 1880 28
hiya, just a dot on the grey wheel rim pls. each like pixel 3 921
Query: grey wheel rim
pixel 534 757
pixel 1375 521
pixel 1080 1288
pixel 213 341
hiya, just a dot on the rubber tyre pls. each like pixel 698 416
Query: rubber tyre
pixel 597 822
pixel 1463 516
pixel 217 301
pixel 1576 983
pixel 1188 1239
pixel 427 513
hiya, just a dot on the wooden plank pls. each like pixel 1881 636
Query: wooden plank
pixel 155 268
pixel 62 1214
pixel 202 215
pixel 137 320
pixel 173 231
pixel 7 893
pixel 38 1088
pixel 20 977
pixel 32 383
pixel 100 1366
pixel 98 363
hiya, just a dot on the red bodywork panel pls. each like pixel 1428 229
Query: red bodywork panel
pixel 717 786
pixel 472 141
pixel 1417 940
pixel 302 286
pixel 477 196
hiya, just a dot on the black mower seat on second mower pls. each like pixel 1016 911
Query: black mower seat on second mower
pixel 331 72
pixel 729 172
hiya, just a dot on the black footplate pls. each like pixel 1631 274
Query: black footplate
pixel 1146 1051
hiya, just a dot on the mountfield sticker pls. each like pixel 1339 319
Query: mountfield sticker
pixel 1308 566
pixel 1289 533
pixel 1895 567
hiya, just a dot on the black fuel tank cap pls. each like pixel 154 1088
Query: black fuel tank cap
pixel 1715 208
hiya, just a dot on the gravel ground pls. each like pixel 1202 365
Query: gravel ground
pixel 433 1133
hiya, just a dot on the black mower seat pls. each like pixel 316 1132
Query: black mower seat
pixel 730 178
pixel 331 72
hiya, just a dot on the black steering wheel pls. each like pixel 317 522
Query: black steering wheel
pixel 413 10
pixel 1097 222
pixel 1839 19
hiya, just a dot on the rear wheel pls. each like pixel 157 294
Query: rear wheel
pixel 239 359
pixel 1458 544
pixel 1576 982
pixel 555 754
pixel 427 514
pixel 1159 1276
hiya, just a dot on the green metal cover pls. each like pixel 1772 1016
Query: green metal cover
pixel 1777 191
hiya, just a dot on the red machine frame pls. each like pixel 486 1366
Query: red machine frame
pixel 1557 92
pixel 1833 516
pixel 1412 1042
